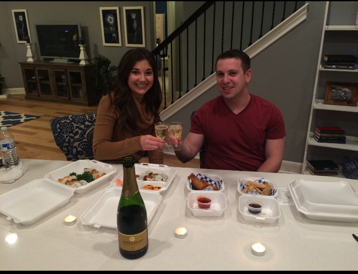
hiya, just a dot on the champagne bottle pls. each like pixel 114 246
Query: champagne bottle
pixel 131 216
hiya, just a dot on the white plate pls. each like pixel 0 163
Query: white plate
pixel 218 203
pixel 143 167
pixel 270 209
pixel 103 210
pixel 79 167
pixel 326 201
pixel 241 186
pixel 216 180
pixel 30 202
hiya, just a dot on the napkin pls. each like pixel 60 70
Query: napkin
pixel 8 176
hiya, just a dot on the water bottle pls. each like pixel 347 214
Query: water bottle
pixel 131 216
pixel 8 148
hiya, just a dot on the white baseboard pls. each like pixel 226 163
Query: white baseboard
pixel 14 91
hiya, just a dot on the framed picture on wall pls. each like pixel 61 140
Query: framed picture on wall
pixel 110 24
pixel 21 23
pixel 134 26
pixel 341 94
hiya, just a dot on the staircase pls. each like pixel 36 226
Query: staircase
pixel 214 28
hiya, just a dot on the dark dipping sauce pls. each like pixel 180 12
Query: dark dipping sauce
pixel 203 202
pixel 255 206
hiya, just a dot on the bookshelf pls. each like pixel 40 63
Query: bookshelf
pixel 335 40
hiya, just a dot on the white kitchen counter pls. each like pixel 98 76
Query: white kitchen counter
pixel 212 243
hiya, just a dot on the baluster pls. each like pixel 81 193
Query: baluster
pixel 284 11
pixel 252 22
pixel 232 22
pixel 242 23
pixel 171 69
pixel 212 58
pixel 204 47
pixel 180 66
pixel 262 17
pixel 163 81
pixel 196 55
pixel 273 14
pixel 295 9
pixel 187 59
pixel 223 23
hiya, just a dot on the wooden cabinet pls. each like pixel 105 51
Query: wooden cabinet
pixel 57 82
pixel 336 40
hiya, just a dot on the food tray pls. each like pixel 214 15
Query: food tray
pixel 103 210
pixel 211 179
pixel 32 201
pixel 144 167
pixel 218 203
pixel 270 212
pixel 241 186
pixel 79 167
pixel 326 201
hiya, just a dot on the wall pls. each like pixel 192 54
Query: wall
pixel 84 12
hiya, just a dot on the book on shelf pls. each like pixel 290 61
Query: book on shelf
pixel 340 58
pixel 332 141
pixel 330 136
pixel 340 63
pixel 335 130
pixel 321 165
pixel 329 173
pixel 338 135
pixel 338 66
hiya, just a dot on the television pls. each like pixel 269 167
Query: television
pixel 59 41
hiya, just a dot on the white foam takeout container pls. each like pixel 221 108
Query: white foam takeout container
pixel 325 201
pixel 216 180
pixel 103 210
pixel 155 168
pixel 31 202
pixel 218 203
pixel 79 167
pixel 270 211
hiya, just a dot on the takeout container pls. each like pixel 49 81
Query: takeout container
pixel 213 179
pixel 103 210
pixel 241 186
pixel 218 203
pixel 270 211
pixel 78 167
pixel 325 201
pixel 31 202
pixel 144 167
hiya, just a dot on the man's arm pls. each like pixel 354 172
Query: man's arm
pixel 274 155
pixel 190 147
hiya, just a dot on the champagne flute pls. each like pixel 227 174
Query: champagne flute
pixel 176 129
pixel 161 130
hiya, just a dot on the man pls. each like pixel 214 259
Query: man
pixel 240 131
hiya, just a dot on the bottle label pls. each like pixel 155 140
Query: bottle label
pixel 7 146
pixel 133 242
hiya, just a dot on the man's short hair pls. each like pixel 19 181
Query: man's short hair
pixel 238 54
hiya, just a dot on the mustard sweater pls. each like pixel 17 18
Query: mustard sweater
pixel 111 145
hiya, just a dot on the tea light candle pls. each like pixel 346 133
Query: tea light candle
pixel 180 232
pixel 258 249
pixel 70 220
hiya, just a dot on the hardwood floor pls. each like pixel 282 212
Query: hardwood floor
pixel 34 139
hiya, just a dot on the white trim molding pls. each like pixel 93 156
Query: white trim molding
pixel 280 30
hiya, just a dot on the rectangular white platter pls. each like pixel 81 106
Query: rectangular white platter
pixel 103 210
pixel 31 202
pixel 155 168
pixel 78 167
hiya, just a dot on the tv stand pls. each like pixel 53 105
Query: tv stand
pixel 62 60
pixel 70 83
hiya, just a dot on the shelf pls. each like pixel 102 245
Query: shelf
pixel 340 70
pixel 342 28
pixel 351 143
pixel 340 174
pixel 31 81
pixel 319 104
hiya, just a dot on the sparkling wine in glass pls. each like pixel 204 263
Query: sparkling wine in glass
pixel 161 130
pixel 176 129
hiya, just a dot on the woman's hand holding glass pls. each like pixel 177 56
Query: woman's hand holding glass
pixel 150 142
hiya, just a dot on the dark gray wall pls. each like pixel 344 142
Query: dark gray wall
pixel 84 12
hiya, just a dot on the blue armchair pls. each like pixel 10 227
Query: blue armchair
pixel 202 150
pixel 73 134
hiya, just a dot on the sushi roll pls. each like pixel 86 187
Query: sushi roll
pixel 83 182
pixel 87 170
pixel 77 184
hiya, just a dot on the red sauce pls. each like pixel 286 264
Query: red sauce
pixel 203 202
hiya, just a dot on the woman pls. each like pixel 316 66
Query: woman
pixel 126 115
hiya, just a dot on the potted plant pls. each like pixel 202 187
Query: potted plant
pixel 104 74
pixel 2 79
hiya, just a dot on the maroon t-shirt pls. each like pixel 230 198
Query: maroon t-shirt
pixel 237 141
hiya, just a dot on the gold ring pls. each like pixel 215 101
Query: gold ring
pixel 152 147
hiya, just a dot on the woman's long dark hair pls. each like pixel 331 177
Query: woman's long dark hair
pixel 121 95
